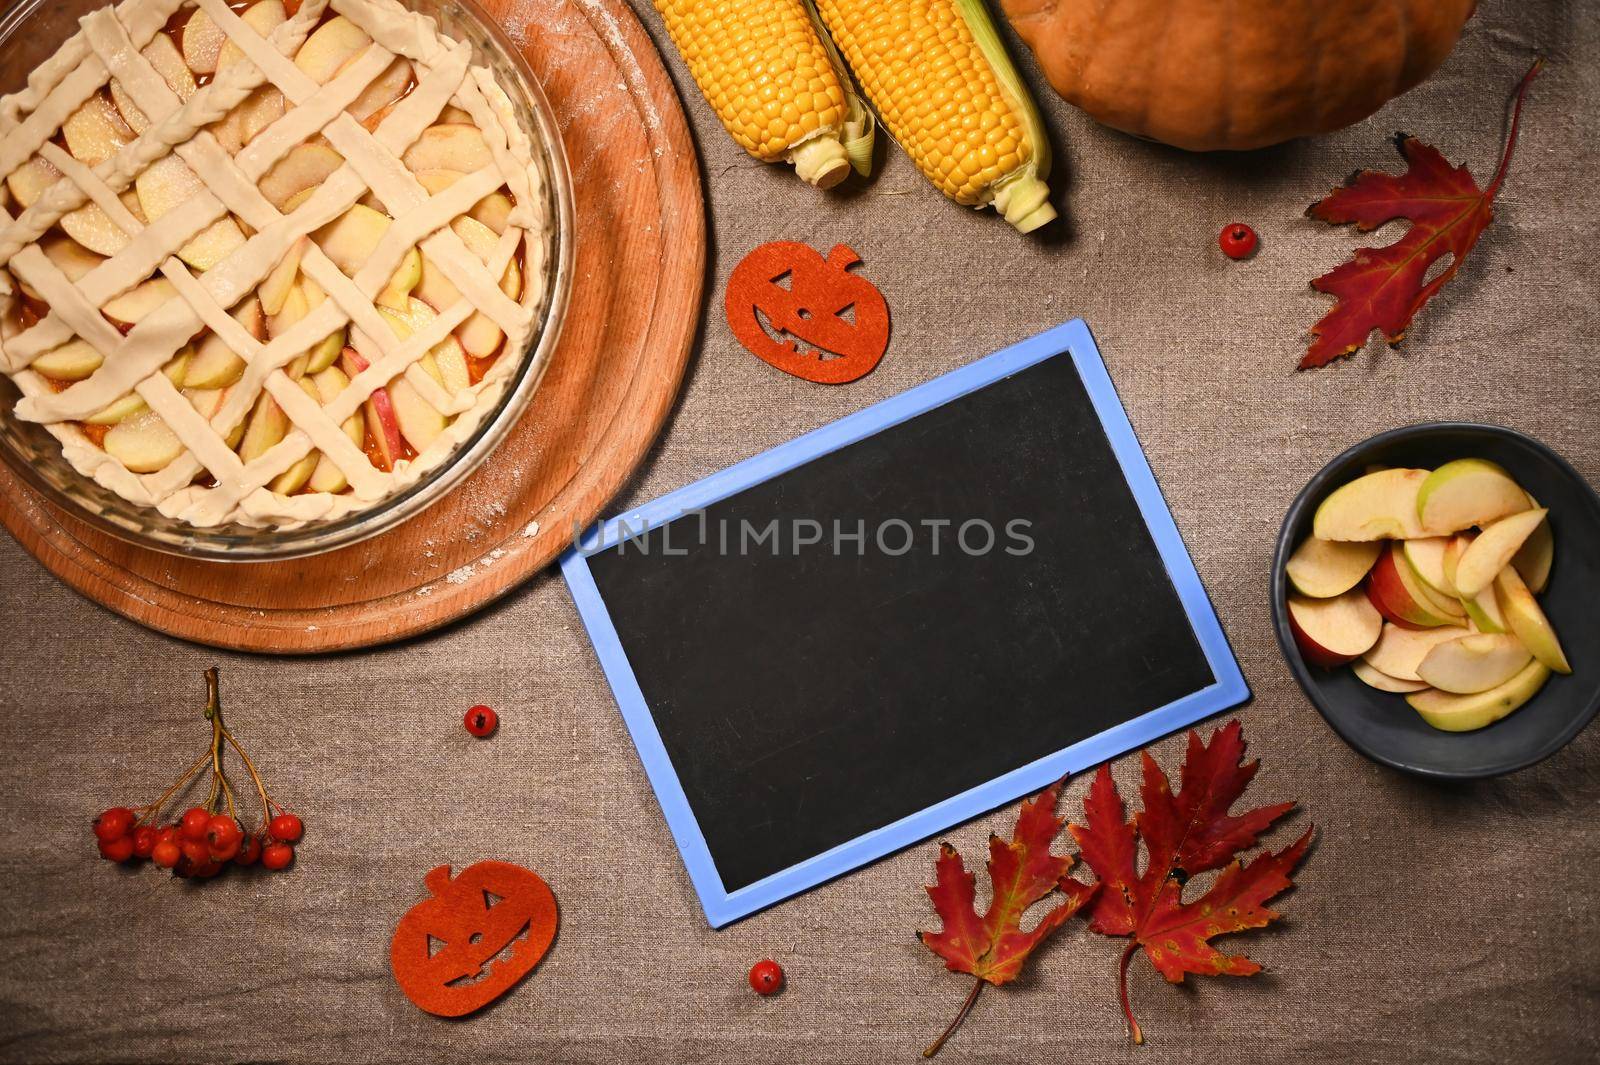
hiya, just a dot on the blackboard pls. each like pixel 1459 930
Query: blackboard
pixel 894 623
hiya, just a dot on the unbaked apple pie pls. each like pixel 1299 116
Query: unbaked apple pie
pixel 267 262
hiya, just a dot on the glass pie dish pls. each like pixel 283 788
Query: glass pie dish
pixel 32 32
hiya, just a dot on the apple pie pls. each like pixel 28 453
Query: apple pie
pixel 265 263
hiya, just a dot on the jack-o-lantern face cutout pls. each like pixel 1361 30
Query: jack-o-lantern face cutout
pixel 784 294
pixel 473 938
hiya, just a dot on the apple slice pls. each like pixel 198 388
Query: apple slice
pixel 1463 713
pixel 1493 550
pixel 380 414
pixel 94 229
pixel 1426 557
pixel 132 306
pixel 1376 678
pixel 1523 617
pixel 88 225
pixel 264 105
pixel 448 146
pixel 73 361
pixel 216 365
pixel 70 257
pixel 1399 650
pixel 166 185
pixel 1467 492
pixel 1325 568
pixel 274 289
pixel 1378 506
pixel 143 442
pixel 118 409
pixel 205 401
pixel 419 422
pixel 202 42
pixel 479 335
pixel 1474 663
pixel 1331 632
pixel 350 239
pixel 494 210
pixel 382 91
pixel 1400 595
pixel 327 477
pixel 1535 558
pixel 164 57
pixel 268 425
pixel 95 131
pixel 326 51
pixel 402 281
pixel 305 167
pixel 295 477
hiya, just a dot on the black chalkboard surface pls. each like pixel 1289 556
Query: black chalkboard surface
pixel 898 621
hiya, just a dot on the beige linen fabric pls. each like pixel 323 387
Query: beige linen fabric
pixel 1432 923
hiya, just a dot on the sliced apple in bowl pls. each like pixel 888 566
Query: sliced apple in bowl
pixel 1464 493
pixel 1399 651
pixel 1331 632
pixel 1464 713
pixel 1474 663
pixel 1493 550
pixel 1402 597
pixel 1325 568
pixel 1378 506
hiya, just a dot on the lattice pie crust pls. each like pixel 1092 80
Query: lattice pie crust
pixel 264 264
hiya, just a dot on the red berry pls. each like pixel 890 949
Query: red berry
pixel 113 824
pixel 195 852
pixel 249 851
pixel 223 837
pixel 117 850
pixel 286 828
pixel 1237 240
pixel 277 856
pixel 766 976
pixel 144 841
pixel 166 854
pixel 481 721
pixel 196 819
pixel 167 834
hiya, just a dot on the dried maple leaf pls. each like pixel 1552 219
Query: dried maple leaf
pixel 994 947
pixel 1184 834
pixel 1383 288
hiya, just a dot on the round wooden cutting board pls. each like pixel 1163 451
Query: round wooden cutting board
pixel 632 319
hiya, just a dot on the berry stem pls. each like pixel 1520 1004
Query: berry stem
pixel 961 1015
pixel 149 813
pixel 255 777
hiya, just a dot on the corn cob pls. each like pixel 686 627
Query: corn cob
pixel 941 81
pixel 776 82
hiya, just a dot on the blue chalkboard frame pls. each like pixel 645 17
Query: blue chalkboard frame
pixel 1229 689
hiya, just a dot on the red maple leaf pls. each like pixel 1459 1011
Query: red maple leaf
pixel 1184 834
pixel 993 947
pixel 1383 288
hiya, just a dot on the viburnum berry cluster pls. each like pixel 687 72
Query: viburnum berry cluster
pixel 208 836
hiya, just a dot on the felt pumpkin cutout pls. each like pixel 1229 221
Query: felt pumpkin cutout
pixel 784 294
pixel 447 951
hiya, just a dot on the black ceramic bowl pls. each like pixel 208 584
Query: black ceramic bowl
pixel 1380 725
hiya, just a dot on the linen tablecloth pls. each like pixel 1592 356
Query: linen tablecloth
pixel 1432 923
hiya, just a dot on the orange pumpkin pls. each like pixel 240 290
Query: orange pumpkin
pixel 1203 74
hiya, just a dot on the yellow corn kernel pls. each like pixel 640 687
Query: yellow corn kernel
pixel 775 83
pixel 940 80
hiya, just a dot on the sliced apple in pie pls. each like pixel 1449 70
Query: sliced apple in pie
pixel 327 418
